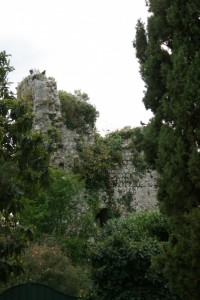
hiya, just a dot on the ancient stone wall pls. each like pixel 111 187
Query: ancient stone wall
pixel 43 94
pixel 138 192
pixel 132 189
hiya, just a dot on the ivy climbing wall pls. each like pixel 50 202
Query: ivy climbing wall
pixel 131 191
pixel 43 94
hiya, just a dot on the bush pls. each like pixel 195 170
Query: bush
pixel 77 112
pixel 48 265
pixel 121 259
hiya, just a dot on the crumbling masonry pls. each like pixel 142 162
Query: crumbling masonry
pixel 43 94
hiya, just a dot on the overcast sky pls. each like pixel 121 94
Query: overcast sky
pixel 83 44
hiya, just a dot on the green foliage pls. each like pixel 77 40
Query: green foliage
pixel 5 69
pixel 169 57
pixel 77 113
pixel 114 143
pixel 24 157
pixel 117 143
pixel 141 42
pixel 121 259
pixel 147 224
pixel 184 241
pixel 63 212
pixel 126 200
pixel 137 148
pixel 53 206
pixel 13 238
pixel 150 143
pixel 94 164
pixel 47 264
pixel 105 154
pixel 98 160
pixel 24 160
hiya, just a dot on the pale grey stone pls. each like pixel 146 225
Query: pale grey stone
pixel 42 92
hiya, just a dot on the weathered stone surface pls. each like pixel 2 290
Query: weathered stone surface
pixel 128 186
pixel 42 92
pixel 47 114
pixel 145 192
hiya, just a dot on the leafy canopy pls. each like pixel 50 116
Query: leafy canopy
pixel 121 258
pixel 24 161
pixel 78 114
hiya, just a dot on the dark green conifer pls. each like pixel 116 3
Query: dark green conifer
pixel 169 56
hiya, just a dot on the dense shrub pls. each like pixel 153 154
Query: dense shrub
pixel 122 259
pixel 64 213
pixel 48 265
pixel 77 112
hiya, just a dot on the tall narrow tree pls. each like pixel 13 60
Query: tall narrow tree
pixel 169 56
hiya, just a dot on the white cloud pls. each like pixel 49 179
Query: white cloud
pixel 84 44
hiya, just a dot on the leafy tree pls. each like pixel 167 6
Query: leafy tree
pixel 24 162
pixel 55 207
pixel 169 57
pixel 94 163
pixel 47 264
pixel 13 238
pixel 5 69
pixel 64 213
pixel 77 112
pixel 121 259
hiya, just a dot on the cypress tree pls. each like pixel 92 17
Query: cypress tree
pixel 169 56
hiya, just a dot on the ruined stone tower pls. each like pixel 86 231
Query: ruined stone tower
pixel 43 94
